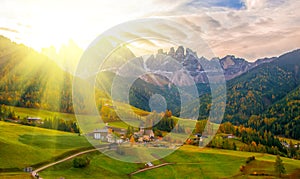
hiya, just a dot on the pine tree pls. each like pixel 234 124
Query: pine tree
pixel 234 146
pixel 279 167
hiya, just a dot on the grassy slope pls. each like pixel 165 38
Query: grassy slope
pixel 15 175
pixel 22 146
pixel 191 162
pixel 101 166
pixel 90 123
pixel 31 112
pixel 43 114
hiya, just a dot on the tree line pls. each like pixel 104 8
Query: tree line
pixel 8 114
pixel 254 141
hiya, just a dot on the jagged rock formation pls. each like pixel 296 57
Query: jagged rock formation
pixel 197 66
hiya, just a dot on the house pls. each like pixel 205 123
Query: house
pixel 149 164
pixel 119 141
pixel 106 134
pixel 101 134
pixel 229 136
pixel 28 169
pixel 145 131
pixel 34 119
pixel 145 135
pixel 285 144
pixel 111 138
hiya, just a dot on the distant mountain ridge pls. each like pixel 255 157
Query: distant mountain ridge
pixel 232 66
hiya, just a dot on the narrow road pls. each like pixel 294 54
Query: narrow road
pixel 150 168
pixel 33 173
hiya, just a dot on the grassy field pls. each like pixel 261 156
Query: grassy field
pixel 32 112
pixel 101 166
pixel 22 146
pixel 90 123
pixel 15 175
pixel 189 162
pixel 43 114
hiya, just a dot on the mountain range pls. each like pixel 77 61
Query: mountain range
pixel 196 66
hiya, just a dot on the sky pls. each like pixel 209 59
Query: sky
pixel 250 29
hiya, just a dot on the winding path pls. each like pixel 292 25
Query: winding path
pixel 33 173
pixel 150 168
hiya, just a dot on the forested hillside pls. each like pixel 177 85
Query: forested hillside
pixel 266 98
pixel 283 118
pixel 255 91
pixel 29 79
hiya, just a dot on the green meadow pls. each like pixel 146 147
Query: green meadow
pixel 187 162
pixel 43 114
pixel 22 146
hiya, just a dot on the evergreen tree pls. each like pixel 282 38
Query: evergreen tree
pixel 279 167
pixel 234 146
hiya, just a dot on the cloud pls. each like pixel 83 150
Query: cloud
pixel 246 28
pixel 261 4
pixel 261 28
pixel 254 4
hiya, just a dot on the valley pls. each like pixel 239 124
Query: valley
pixel 39 126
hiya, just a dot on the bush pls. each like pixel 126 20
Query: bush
pixel 81 162
pixel 242 168
pixel 249 159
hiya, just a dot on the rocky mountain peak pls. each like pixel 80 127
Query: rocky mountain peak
pixel 179 54
pixel 231 65
pixel 172 52
pixel 227 61
pixel 190 52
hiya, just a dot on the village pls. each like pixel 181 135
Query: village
pixel 111 134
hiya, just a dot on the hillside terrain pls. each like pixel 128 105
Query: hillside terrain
pixel 25 146
pixel 261 91
pixel 29 79
pixel 188 161
pixel 269 90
